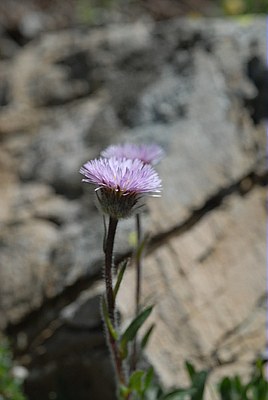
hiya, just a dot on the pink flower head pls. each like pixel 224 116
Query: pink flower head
pixel 121 183
pixel 147 153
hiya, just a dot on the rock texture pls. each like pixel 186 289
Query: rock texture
pixel 183 84
pixel 208 285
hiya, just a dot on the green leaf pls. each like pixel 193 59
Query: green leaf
pixel 132 330
pixel 148 378
pixel 198 382
pixel 239 387
pixel 107 319
pixel 124 391
pixel 179 394
pixel 257 387
pixel 136 381
pixel 10 387
pixel 141 247
pixel 147 336
pixel 122 268
pixel 225 389
pixel 190 369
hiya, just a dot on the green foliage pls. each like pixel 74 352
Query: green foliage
pixel 132 330
pixel 146 337
pixel 256 6
pixel 179 394
pixel 140 249
pixel 143 385
pixel 236 7
pixel 229 388
pixel 139 382
pixel 196 389
pixel 198 381
pixel 255 389
pixel 10 388
pixel 89 11
pixel 122 267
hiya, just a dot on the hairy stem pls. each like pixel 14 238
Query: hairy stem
pixel 121 379
pixel 109 246
pixel 138 265
pixel 138 287
pixel 108 249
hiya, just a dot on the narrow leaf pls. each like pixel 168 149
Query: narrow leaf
pixel 141 247
pixel 105 230
pixel 179 394
pixel 133 328
pixel 190 369
pixel 148 378
pixel 225 388
pixel 107 320
pixel 147 336
pixel 122 268
pixel 238 385
pixel 198 382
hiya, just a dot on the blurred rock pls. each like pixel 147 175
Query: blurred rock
pixel 61 138
pixel 8 48
pixel 23 21
pixel 25 267
pixel 65 96
pixel 210 297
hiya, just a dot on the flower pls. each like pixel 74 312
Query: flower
pixel 121 183
pixel 147 153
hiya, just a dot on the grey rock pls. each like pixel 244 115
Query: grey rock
pixel 32 24
pixel 84 312
pixel 8 48
pixel 58 149
pixel 182 84
pixel 25 268
pixel 210 299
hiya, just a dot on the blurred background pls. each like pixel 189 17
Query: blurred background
pixel 76 76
